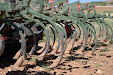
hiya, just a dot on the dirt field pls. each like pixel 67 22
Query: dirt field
pixel 102 9
pixel 72 64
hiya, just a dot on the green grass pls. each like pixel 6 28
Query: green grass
pixel 105 50
pixel 99 3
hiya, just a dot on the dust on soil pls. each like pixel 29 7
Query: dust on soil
pixel 71 64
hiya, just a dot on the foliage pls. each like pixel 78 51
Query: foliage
pixel 100 3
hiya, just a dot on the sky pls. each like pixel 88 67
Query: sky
pixel 70 1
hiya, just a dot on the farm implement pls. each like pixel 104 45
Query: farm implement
pixel 44 28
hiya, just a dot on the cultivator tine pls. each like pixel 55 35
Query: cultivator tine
pixel 46 31
pixel 33 49
pixel 2 44
pixel 97 23
pixel 79 30
pixel 2 26
pixel 17 55
pixel 58 59
pixel 64 34
pixel 53 36
pixel 102 30
pixel 90 34
pixel 107 26
pixel 74 36
pixel 18 63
